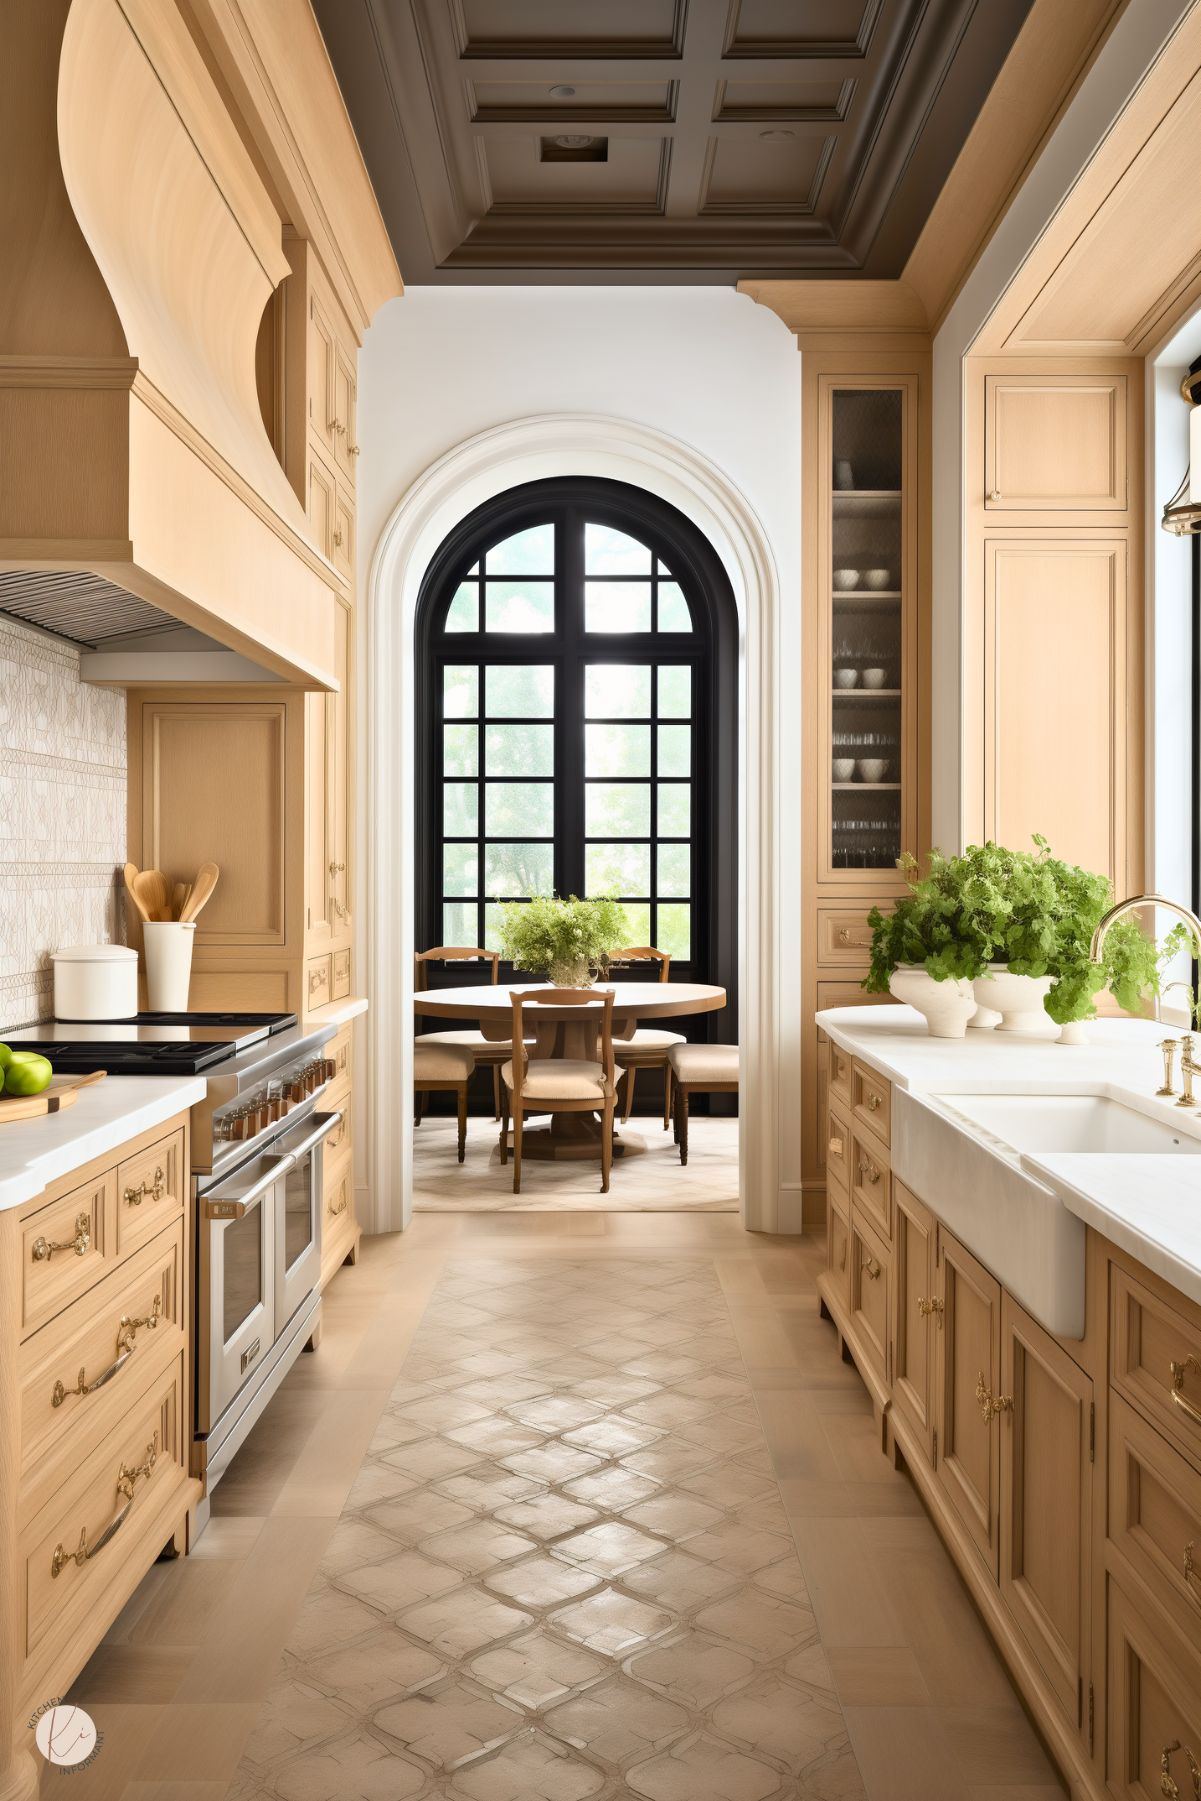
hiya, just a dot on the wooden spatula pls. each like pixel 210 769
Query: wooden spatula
pixel 150 888
pixel 131 877
pixel 202 888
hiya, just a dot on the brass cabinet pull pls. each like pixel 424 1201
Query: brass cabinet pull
pixel 1168 1786
pixel 154 1191
pixel 995 495
pixel 336 868
pixel 834 1147
pixel 127 1481
pixel 43 1248
pixel 1190 1572
pixel 871 1268
pixel 316 980
pixel 126 1333
pixel 340 1208
pixel 341 911
pixel 352 450
pixel 1179 1372
pixel 989 1403
pixel 873 1101
pixel 927 1307
pixel 332 425
pixel 868 1171
pixel 337 537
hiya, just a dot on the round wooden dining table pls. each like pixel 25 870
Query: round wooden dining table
pixel 570 1032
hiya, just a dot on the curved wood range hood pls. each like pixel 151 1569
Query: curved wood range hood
pixel 163 152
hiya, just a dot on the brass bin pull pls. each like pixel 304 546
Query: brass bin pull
pixel 989 1403
pixel 133 1197
pixel 871 1268
pixel 868 1171
pixel 1168 1786
pixel 127 1480
pixel 43 1248
pixel 873 1101
pixel 927 1307
pixel 1179 1372
pixel 126 1347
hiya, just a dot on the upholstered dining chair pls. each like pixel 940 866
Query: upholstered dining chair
pixel 702 1068
pixel 648 1048
pixel 543 1083
pixel 443 1068
pixel 488 1053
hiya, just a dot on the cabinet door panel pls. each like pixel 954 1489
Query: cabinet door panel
pixel 1046 1442
pixel 969 1360
pixel 1055 748
pixel 321 378
pixel 869 1285
pixel 1154 1703
pixel 914 1312
pixel 1055 443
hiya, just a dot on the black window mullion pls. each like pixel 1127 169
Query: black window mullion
pixel 569 708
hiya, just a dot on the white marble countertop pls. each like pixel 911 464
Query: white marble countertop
pixel 36 1152
pixel 1149 1205
pixel 337 1013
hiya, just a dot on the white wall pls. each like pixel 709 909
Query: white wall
pixel 702 366
pixel 705 365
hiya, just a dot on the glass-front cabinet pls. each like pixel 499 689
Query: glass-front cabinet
pixel 867 579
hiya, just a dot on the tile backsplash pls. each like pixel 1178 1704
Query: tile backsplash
pixel 62 815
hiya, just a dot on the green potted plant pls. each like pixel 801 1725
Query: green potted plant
pixel 1017 926
pixel 569 940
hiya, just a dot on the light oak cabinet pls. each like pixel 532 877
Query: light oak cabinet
pixel 1055 442
pixel 1064 1475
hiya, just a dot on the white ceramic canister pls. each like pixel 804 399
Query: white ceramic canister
pixel 95 981
pixel 168 947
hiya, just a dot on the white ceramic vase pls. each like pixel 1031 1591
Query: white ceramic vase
pixel 1018 999
pixel 947 1006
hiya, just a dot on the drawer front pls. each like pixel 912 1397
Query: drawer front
pixel 341 975
pixel 338 1225
pixel 151 1187
pixel 871 1185
pixel 869 1284
pixel 871 1100
pixel 1156 1360
pixel 338 1144
pixel 839 1074
pixel 838 1151
pixel 78 1372
pixel 340 1051
pixel 1154 1703
pixel 844 937
pixel 76 1546
pixel 317 982
pixel 838 1251
pixel 1155 1513
pixel 66 1247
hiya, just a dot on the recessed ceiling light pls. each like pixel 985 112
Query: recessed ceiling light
pixel 572 140
pixel 562 92
pixel 777 137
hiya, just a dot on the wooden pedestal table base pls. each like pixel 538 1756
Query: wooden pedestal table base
pixel 572 1136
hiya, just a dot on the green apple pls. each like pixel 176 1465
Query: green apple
pixel 6 1057
pixel 27 1073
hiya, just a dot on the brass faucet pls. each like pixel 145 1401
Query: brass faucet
pixel 1188 1069
pixel 1132 905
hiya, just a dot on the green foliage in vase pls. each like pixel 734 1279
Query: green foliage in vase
pixel 1027 910
pixel 543 934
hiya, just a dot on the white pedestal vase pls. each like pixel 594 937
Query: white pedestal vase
pixel 947 1006
pixel 984 1019
pixel 1018 999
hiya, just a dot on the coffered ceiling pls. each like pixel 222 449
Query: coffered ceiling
pixel 558 140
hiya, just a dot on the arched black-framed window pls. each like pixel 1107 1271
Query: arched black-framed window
pixel 577 721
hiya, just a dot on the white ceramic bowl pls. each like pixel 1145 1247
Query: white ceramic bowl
pixel 947 1006
pixel 845 678
pixel 876 578
pixel 846 578
pixel 1018 999
pixel 842 768
pixel 872 769
pixel 874 678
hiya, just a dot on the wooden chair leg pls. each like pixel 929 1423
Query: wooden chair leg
pixel 518 1119
pixel 462 1121
pixel 631 1074
pixel 496 1091
pixel 424 1104
pixel 666 1096
pixel 504 1126
pixel 416 1109
pixel 682 1119
pixel 607 1142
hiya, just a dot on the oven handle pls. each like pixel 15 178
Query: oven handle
pixel 221 1211
pixel 325 1125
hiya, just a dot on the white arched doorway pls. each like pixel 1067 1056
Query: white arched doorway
pixel 507 456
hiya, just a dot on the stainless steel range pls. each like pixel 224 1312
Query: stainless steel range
pixel 257 1185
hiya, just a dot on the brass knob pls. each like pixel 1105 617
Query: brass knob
pixel 868 1171
pixel 927 1307
pixel 352 450
pixel 134 1197
pixel 989 1403
pixel 873 1101
pixel 337 537
pixel 871 1268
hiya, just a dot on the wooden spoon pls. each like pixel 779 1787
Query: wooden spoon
pixel 202 888
pixel 150 888
pixel 131 878
pixel 179 896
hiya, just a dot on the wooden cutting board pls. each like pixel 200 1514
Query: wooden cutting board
pixel 62 1092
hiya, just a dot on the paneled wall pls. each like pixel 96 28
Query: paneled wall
pixel 62 815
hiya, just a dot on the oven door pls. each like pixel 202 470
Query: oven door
pixel 238 1224
pixel 298 1215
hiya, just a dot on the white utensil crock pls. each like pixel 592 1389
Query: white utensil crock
pixel 168 944
pixel 947 1006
